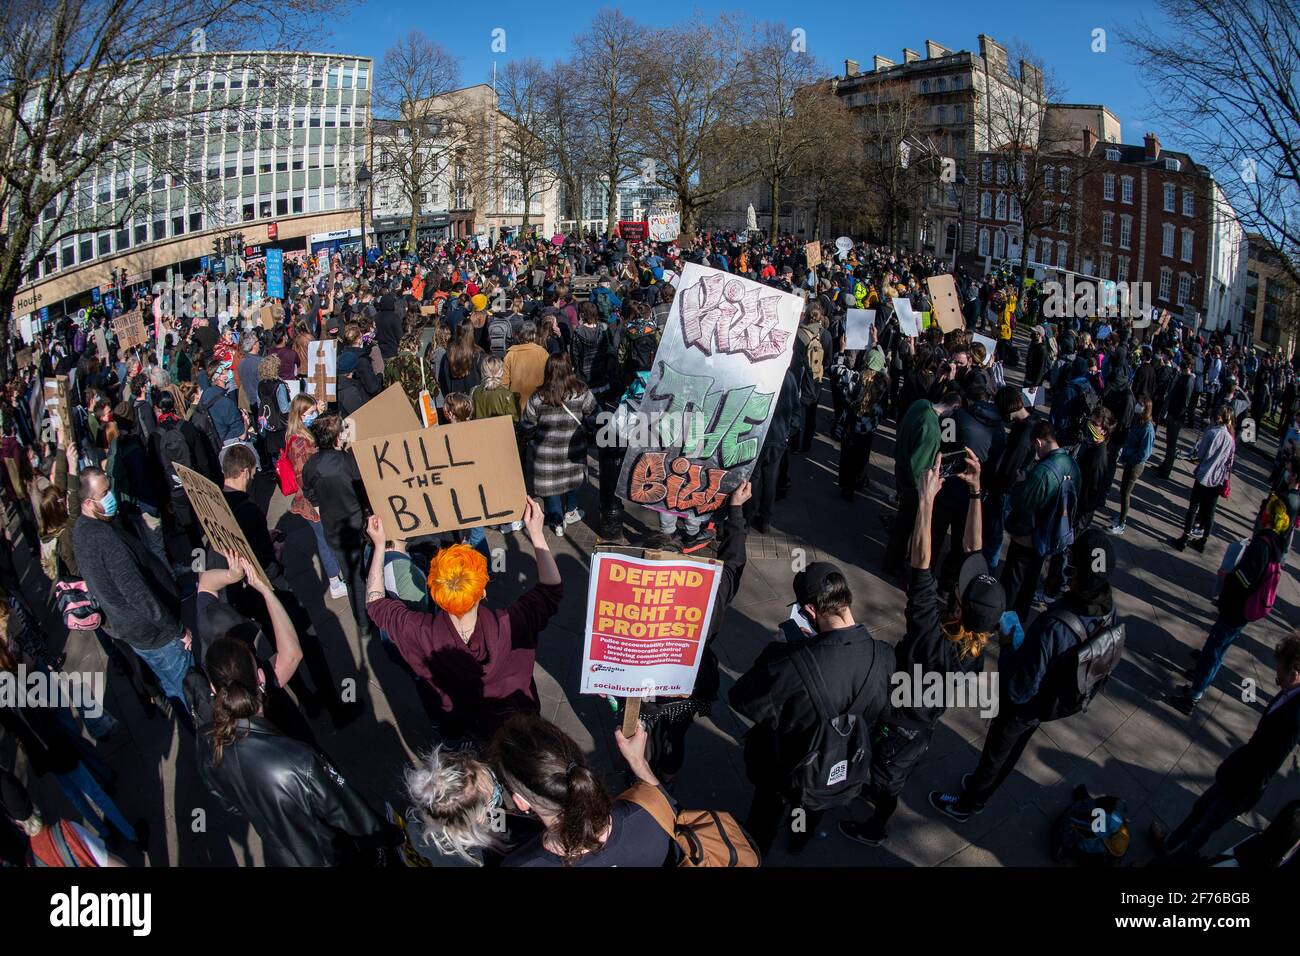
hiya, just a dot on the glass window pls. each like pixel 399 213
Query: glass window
pixel 67 256
pixel 85 249
pixel 247 212
pixel 1105 265
pixel 1126 232
pixel 295 204
pixel 1108 186
pixel 141 233
pixel 1166 280
pixel 196 222
pixel 1189 204
pixel 1065 179
pixel 178 225
pixel 986 205
pixel 103 244
pixel 1187 245
pixel 1184 288
pixel 1121 269
pixel 159 229
pixel 1001 212
pixel 999 244
pixel 1048 178
pixel 1107 228
pixel 1126 189
pixel 123 239
pixel 1062 254
pixel 1169 197
pixel 1167 239
pixel 282 207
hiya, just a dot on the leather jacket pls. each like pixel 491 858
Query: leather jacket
pixel 301 807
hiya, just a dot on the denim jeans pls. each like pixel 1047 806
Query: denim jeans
pixel 170 663
pixel 995 519
pixel 329 564
pixel 477 538
pixel 82 789
pixel 1221 638
pixel 556 506
pixel 668 523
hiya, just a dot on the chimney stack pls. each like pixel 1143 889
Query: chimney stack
pixel 851 68
pixel 1089 142
pixel 935 50
pixel 879 63
pixel 910 55
pixel 1153 146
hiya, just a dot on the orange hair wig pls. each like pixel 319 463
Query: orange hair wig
pixel 458 578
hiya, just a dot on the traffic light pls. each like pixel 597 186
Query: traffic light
pixel 216 246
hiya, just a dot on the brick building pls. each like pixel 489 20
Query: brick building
pixel 1123 213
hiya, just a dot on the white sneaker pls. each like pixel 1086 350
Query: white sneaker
pixel 1117 528
pixel 559 530
pixel 337 588
pixel 574 516
pixel 516 526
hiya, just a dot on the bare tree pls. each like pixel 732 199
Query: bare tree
pixel 94 95
pixel 786 103
pixel 890 118
pixel 423 122
pixel 521 155
pixel 566 132
pixel 609 86
pixel 828 178
pixel 688 115
pixel 1224 75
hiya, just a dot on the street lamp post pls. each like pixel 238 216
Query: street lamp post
pixel 960 192
pixel 363 181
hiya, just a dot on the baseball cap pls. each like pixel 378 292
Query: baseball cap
pixel 809 581
pixel 982 598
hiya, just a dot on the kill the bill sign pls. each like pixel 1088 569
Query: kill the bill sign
pixel 647 620
pixel 711 393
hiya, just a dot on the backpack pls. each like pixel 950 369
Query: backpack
pixel 284 473
pixel 498 335
pixel 838 763
pixel 1092 831
pixel 709 838
pixel 1264 596
pixel 1077 676
pixel 1060 523
pixel 637 350
pixel 75 604
pixel 814 354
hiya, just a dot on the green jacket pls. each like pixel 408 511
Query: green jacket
pixel 490 402
pixel 1037 491
pixel 918 440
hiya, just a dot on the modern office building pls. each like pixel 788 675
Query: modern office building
pixel 270 154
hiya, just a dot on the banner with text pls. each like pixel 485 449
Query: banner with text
pixel 646 624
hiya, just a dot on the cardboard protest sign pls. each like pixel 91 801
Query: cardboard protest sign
pixel 269 315
pixel 25 359
pixel 647 618
pixel 322 362
pixel 984 340
pixel 50 401
pixel 907 320
pixel 388 413
pixel 214 514
pixel 812 252
pixel 857 329
pixel 129 329
pixel 428 310
pixel 101 344
pixel 443 479
pixel 947 307
pixel 711 392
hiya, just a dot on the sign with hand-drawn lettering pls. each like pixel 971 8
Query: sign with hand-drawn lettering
pixel 442 479
pixel 711 392
pixel 219 524
pixel 947 307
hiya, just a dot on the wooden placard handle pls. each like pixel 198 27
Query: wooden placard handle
pixel 631 716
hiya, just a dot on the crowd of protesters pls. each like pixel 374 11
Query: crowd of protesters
pixel 995 533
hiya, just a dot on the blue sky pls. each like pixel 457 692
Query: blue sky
pixel 1058 31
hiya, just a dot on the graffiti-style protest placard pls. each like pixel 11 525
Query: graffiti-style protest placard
pixel 711 393
pixel 646 624
pixel 947 307
pixel 214 514
pixel 442 479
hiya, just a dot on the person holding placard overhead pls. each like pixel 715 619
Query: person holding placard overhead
pixel 478 660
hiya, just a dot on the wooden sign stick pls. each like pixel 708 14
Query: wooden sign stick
pixel 631 716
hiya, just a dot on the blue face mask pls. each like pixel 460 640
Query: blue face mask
pixel 109 504
pixel 310 417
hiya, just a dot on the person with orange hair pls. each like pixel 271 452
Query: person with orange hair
pixel 478 660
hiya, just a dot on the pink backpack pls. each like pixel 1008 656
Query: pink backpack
pixel 79 609
pixel 1261 600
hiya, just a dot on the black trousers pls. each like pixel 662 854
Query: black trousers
pixel 1173 428
pixel 949 521
pixel 809 427
pixel 895 753
pixel 855 459
pixel 900 535
pixel 610 460
pixel 1215 807
pixel 771 812
pixel 1007 738
pixel 1021 569
pixel 765 479
pixel 353 567
pixel 1201 507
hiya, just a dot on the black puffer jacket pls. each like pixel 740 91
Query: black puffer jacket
pixel 301 807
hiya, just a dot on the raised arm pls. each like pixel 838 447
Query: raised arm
pixel 547 572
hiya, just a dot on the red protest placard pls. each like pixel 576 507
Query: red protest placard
pixel 647 619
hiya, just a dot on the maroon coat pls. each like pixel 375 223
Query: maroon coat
pixel 484 681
